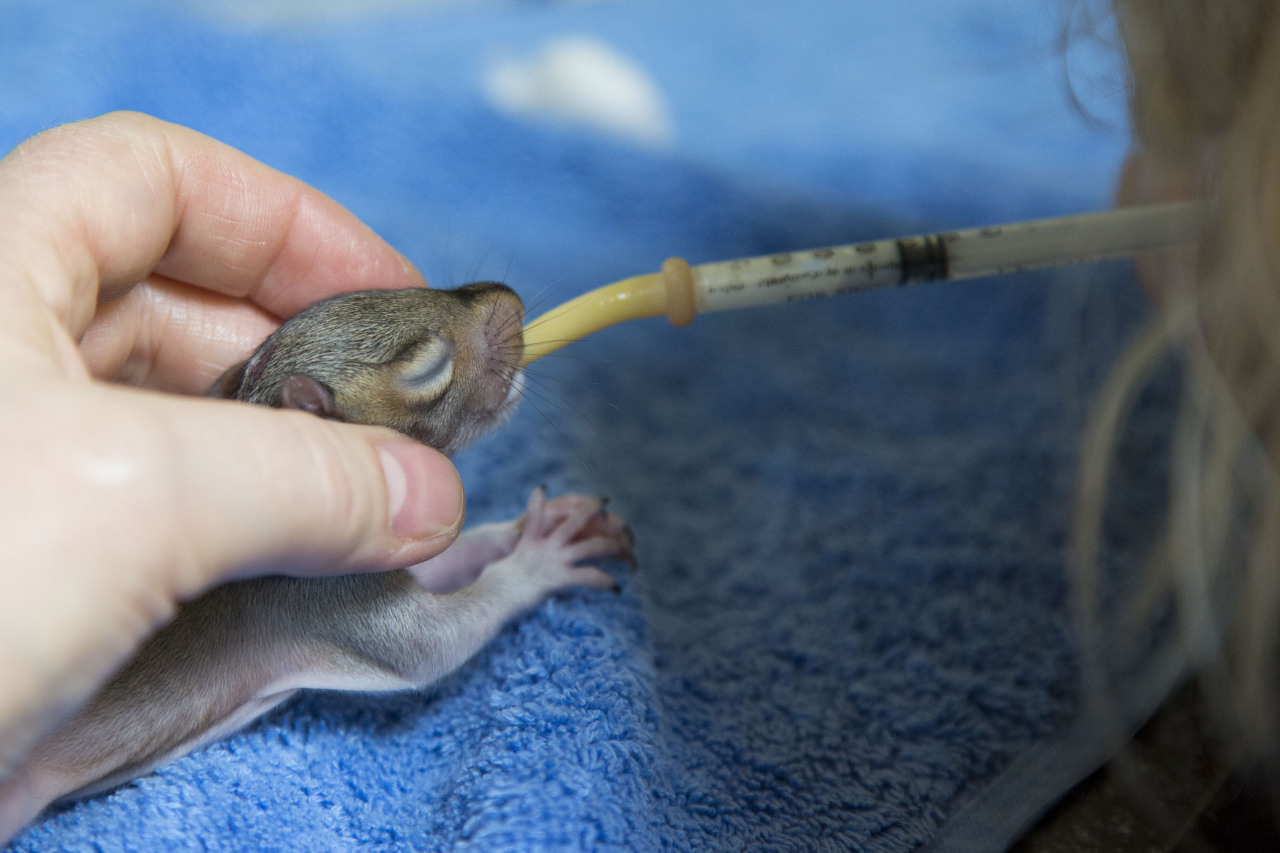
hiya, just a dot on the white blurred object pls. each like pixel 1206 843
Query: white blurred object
pixel 582 80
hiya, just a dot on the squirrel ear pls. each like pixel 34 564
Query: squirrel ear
pixel 228 384
pixel 300 391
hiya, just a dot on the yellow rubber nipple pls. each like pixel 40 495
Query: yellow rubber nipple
pixel 669 292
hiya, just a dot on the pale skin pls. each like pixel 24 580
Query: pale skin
pixel 1150 179
pixel 137 257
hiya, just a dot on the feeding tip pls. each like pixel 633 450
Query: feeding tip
pixel 672 292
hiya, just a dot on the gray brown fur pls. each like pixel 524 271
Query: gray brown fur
pixel 369 367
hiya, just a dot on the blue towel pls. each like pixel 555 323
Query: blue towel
pixel 849 630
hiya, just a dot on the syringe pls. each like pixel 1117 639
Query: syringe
pixel 681 291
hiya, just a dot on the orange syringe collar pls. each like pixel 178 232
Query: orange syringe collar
pixel 682 306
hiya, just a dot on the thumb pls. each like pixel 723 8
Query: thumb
pixel 122 502
pixel 263 490
pixel 172 495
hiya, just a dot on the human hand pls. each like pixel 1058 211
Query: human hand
pixel 1148 178
pixel 148 255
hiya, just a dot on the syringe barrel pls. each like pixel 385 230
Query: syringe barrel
pixel 794 276
pixel 1119 233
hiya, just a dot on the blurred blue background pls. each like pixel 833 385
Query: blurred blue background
pixel 954 113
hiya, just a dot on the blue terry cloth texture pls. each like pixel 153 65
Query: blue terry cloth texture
pixel 849 630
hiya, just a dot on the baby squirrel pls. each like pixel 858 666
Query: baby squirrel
pixel 441 366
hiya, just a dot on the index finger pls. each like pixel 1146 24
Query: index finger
pixel 94 207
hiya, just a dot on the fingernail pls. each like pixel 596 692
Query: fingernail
pixel 424 492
